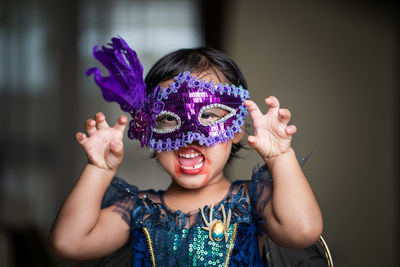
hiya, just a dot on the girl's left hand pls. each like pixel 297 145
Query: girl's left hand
pixel 272 135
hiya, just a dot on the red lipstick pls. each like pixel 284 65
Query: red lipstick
pixel 190 160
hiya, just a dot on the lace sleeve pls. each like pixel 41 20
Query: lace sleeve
pixel 123 195
pixel 260 190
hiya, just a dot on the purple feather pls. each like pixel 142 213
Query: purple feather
pixel 125 85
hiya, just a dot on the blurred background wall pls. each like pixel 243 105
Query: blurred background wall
pixel 333 64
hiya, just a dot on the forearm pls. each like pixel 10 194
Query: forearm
pixel 293 211
pixel 80 211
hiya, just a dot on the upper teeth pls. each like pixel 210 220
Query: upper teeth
pixel 189 156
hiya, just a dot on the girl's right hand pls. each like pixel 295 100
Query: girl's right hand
pixel 103 144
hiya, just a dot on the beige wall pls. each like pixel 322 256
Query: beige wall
pixel 333 65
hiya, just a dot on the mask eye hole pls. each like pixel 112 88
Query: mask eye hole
pixel 215 113
pixel 167 122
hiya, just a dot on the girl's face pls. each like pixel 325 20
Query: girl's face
pixel 195 166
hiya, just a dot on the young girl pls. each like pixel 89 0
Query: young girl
pixel 190 110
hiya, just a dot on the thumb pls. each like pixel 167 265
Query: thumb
pixel 117 148
pixel 253 141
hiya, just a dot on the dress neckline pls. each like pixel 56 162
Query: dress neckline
pixel 194 211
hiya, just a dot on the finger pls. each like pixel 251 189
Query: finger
pixel 284 115
pixel 252 141
pixel 253 109
pixel 291 129
pixel 121 123
pixel 80 137
pixel 101 122
pixel 272 102
pixel 90 126
pixel 117 148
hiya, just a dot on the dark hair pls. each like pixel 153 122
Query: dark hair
pixel 196 60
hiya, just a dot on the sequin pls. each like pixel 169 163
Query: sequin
pixel 190 246
pixel 186 100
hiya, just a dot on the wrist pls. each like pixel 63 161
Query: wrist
pixel 284 155
pixel 103 172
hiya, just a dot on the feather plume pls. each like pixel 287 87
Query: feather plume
pixel 125 84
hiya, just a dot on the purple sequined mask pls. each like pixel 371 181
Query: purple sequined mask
pixel 189 110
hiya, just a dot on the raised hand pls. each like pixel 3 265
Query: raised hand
pixel 272 135
pixel 103 144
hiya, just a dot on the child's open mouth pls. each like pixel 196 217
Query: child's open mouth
pixel 190 159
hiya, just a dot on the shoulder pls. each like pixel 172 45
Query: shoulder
pixel 120 190
pixel 151 197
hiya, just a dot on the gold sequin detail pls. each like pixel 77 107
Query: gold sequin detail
pixel 150 244
pixel 232 243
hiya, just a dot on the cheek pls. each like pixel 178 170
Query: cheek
pixel 177 169
pixel 226 146
pixel 169 163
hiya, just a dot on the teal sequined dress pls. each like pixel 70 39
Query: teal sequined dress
pixel 228 233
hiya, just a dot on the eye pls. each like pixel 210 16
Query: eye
pixel 212 115
pixel 167 122
pixel 207 115
pixel 215 113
